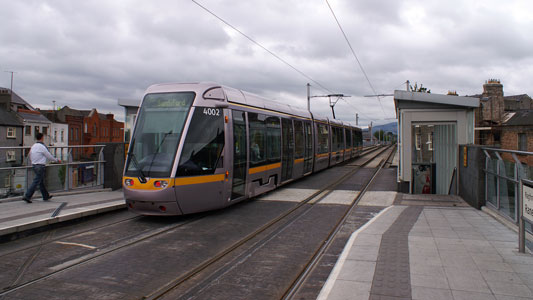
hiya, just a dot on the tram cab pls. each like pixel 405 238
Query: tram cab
pixel 177 162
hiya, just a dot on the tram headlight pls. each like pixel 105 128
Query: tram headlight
pixel 160 184
pixel 128 182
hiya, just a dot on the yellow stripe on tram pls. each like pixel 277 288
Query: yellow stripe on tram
pixel 299 161
pixel 198 179
pixel 264 168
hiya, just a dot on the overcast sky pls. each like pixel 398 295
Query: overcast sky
pixel 87 54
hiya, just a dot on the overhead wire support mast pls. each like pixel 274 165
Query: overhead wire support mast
pixel 357 59
pixel 332 102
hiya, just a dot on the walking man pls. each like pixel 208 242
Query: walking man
pixel 38 156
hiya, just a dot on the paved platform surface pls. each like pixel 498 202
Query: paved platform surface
pixel 424 247
pixel 17 216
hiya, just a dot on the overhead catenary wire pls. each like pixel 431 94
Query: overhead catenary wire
pixel 270 52
pixel 263 47
pixel 357 59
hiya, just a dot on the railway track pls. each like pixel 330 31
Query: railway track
pixel 20 280
pixel 285 220
pixel 297 284
pixel 114 246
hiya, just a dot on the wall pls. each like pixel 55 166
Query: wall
pixel 472 177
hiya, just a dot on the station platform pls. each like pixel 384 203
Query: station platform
pixel 431 247
pixel 17 216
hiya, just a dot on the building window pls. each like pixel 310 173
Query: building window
pixel 522 142
pixel 77 134
pixel 10 155
pixel 27 130
pixel 62 135
pixel 55 136
pixel 11 132
pixel 45 130
pixel 85 127
pixel 71 134
pixel 94 129
pixel 430 141
pixel 36 129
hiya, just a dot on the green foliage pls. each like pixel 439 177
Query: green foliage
pixel 420 89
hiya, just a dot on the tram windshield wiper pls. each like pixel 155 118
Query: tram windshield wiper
pixel 157 149
pixel 141 177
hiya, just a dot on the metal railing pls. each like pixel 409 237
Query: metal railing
pixel 81 167
pixel 503 172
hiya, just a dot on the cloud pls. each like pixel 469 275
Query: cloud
pixel 89 54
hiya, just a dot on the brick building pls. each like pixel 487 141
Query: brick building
pixel 87 127
pixel 517 134
pixel 505 121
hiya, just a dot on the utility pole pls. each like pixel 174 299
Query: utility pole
pixel 54 101
pixel 407 85
pixel 11 92
pixel 308 97
pixel 356 119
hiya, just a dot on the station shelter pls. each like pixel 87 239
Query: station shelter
pixel 430 128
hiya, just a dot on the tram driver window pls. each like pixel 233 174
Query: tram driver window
pixel 204 144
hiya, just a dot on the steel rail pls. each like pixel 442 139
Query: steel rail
pixel 298 282
pixel 165 289
pixel 98 255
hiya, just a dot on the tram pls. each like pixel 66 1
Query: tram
pixel 202 146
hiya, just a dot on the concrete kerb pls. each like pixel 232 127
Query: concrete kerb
pixel 44 221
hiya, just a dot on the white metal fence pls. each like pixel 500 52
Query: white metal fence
pixel 81 167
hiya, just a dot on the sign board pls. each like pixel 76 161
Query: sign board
pixel 527 201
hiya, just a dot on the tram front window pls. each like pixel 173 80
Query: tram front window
pixel 157 134
pixel 202 151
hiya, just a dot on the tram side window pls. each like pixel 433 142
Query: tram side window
pixel 348 139
pixel 257 139
pixel 299 139
pixel 323 139
pixel 340 139
pixel 273 145
pixel 204 144
pixel 334 142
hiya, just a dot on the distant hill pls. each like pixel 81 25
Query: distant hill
pixel 389 127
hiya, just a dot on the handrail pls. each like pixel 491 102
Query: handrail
pixel 507 151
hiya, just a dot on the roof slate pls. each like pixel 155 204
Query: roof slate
pixel 9 118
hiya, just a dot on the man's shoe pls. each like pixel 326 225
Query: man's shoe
pixel 26 199
pixel 49 197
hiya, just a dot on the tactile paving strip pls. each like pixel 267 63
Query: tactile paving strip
pixel 392 278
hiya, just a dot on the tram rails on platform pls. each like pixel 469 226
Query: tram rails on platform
pixel 199 147
pixel 158 257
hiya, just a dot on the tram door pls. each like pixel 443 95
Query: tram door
pixel 287 139
pixel 239 155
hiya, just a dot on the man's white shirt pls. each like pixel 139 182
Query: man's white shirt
pixel 39 154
